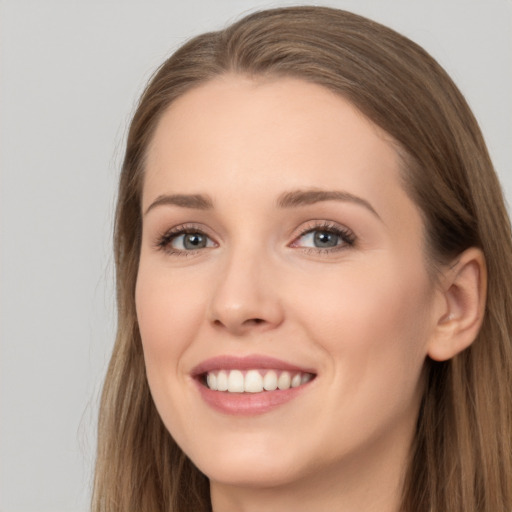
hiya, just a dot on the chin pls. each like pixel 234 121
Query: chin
pixel 249 467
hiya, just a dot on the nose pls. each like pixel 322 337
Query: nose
pixel 246 298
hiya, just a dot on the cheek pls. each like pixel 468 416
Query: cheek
pixel 373 330
pixel 372 324
pixel 168 313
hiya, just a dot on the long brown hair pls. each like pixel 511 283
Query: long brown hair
pixel 461 459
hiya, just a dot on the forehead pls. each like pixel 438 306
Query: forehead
pixel 224 111
pixel 235 135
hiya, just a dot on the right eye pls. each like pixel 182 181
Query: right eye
pixel 190 241
pixel 183 240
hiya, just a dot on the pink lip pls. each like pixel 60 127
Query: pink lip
pixel 246 404
pixel 246 363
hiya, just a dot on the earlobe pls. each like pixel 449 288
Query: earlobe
pixel 464 288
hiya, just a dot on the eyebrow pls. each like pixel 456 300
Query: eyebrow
pixel 192 201
pixel 293 199
pixel 298 198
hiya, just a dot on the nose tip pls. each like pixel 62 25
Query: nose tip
pixel 245 301
pixel 240 319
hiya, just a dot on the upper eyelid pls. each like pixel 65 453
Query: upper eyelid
pixel 188 227
pixel 319 225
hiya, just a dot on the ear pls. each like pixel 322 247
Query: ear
pixel 464 290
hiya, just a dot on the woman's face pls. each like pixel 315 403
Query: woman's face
pixel 280 249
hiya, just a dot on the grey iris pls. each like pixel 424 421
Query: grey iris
pixel 325 239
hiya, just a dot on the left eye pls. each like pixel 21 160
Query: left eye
pixel 191 241
pixel 319 239
pixel 326 238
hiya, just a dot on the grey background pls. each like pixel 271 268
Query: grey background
pixel 70 73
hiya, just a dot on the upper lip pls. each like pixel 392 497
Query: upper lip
pixel 256 361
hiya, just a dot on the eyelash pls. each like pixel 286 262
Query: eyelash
pixel 347 237
pixel 163 243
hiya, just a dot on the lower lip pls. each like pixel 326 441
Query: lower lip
pixel 248 404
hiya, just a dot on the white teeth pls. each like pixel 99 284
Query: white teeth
pixel 255 381
pixel 284 380
pixel 211 380
pixel 270 381
pixel 296 380
pixel 236 381
pixel 222 381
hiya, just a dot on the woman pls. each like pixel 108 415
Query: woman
pixel 314 282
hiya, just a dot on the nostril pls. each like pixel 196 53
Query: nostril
pixel 255 321
pixel 248 321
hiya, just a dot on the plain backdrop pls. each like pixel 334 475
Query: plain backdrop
pixel 70 74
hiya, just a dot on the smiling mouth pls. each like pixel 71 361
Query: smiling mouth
pixel 254 380
pixel 250 385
